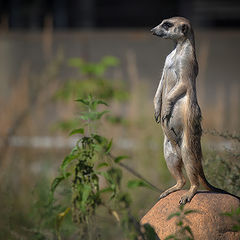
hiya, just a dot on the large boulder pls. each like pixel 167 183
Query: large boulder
pixel 208 223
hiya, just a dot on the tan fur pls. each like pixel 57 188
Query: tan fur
pixel 177 109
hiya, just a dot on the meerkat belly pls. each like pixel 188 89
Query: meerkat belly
pixel 170 79
pixel 176 121
pixel 175 126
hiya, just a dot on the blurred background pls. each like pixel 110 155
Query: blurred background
pixel 42 47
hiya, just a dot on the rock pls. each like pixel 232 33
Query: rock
pixel 206 224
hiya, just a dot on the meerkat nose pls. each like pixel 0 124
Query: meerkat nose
pixel 153 30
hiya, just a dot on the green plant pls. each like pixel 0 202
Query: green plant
pixel 184 231
pixel 235 216
pixel 92 80
pixel 95 180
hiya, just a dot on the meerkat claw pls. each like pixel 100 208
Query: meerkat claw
pixel 185 199
pixel 182 202
pixel 157 117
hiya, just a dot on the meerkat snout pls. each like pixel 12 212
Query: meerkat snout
pixel 162 30
pixel 158 31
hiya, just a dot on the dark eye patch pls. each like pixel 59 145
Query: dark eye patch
pixel 167 25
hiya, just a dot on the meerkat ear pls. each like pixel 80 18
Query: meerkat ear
pixel 184 29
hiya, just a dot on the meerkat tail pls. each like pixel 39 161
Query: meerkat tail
pixel 210 187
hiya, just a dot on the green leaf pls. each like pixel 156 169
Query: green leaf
pixel 57 181
pixel 98 147
pixel 190 211
pixel 100 114
pixel 84 101
pixel 170 237
pixel 104 164
pixel 104 190
pixel 149 231
pixel 74 150
pixel 95 103
pixel 92 115
pixel 109 146
pixel 99 139
pixel 177 214
pixel 101 102
pixel 188 229
pixel 77 131
pixel 86 192
pixel 136 183
pixel 67 160
pixel 120 158
pixel 180 223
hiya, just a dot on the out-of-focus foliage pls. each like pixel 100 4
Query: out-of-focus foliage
pixel 235 216
pixel 184 231
pixel 92 80
pixel 223 166
pixel 95 179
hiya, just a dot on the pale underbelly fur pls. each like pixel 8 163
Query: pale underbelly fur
pixel 176 121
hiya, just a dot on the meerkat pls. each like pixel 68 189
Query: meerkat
pixel 176 108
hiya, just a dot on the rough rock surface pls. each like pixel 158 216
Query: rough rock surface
pixel 206 224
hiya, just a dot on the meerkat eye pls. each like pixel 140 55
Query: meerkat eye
pixel 167 25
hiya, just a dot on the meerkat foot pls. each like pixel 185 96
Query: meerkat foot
pixel 175 188
pixel 163 195
pixel 167 192
pixel 187 197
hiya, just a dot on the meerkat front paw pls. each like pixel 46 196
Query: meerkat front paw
pixel 157 116
pixel 166 114
pixel 167 111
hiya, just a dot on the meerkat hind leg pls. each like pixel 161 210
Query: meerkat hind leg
pixel 174 163
pixel 191 167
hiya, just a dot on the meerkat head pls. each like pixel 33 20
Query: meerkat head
pixel 175 28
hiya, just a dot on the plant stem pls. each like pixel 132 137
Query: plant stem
pixel 136 174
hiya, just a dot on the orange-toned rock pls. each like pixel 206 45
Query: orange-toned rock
pixel 207 224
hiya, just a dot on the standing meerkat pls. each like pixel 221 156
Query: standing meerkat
pixel 176 108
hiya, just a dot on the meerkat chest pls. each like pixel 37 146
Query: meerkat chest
pixel 170 71
pixel 170 60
